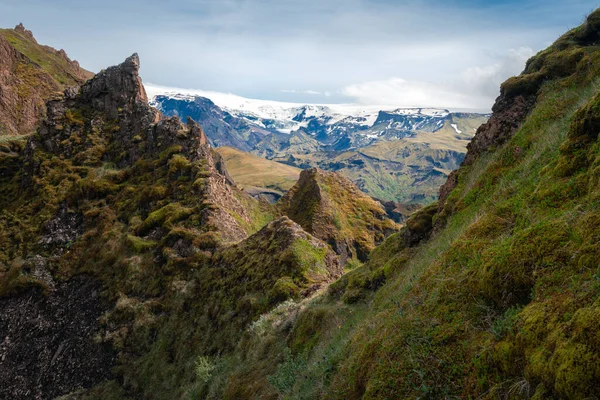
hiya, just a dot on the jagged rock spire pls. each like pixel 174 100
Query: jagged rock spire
pixel 115 88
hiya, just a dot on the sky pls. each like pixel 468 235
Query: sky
pixel 425 53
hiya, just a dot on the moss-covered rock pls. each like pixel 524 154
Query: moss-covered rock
pixel 333 209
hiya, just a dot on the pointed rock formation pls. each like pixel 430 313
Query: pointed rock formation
pixel 108 121
pixel 333 209
pixel 295 262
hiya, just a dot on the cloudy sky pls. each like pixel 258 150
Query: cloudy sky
pixel 442 53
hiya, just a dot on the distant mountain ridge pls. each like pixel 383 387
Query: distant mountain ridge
pixel 244 123
pixel 421 145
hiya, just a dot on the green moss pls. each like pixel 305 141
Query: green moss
pixel 138 244
pixel 165 217
pixel 179 165
pixel 74 116
pixel 310 258
pixel 14 281
pixel 283 289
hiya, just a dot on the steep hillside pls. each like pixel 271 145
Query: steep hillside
pixel 493 293
pixel 128 257
pixel 257 175
pixel 30 74
pixel 333 209
pixel 133 267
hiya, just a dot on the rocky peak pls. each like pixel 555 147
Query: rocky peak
pixel 21 29
pixel 282 249
pixel 109 120
pixel 113 105
pixel 115 88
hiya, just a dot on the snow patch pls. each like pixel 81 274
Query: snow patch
pixel 456 128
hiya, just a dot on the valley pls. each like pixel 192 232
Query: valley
pixel 160 243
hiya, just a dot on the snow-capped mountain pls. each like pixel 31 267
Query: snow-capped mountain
pixel 378 148
pixel 269 126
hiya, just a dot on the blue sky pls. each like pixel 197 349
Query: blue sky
pixel 451 53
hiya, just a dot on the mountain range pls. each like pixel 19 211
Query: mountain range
pixel 345 138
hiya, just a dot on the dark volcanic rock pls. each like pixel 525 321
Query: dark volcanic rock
pixel 47 346
pixel 64 228
pixel 116 88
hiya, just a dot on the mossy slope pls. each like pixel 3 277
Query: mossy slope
pixel 502 299
pixel 110 188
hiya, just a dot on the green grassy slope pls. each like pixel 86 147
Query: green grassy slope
pixel 30 75
pixel 51 61
pixel 503 299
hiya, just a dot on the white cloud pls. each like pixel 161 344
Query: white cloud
pixel 314 92
pixel 399 92
pixel 473 89
pixel 255 48
pixel 486 80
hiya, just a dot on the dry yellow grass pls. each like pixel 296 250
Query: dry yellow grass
pixel 249 170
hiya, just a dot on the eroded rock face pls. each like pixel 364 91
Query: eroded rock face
pixel 115 88
pixel 47 345
pixel 508 115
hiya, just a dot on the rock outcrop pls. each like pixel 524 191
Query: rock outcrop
pixel 288 260
pixel 333 209
pixel 108 120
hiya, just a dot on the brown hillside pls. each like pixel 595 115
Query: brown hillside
pixel 30 75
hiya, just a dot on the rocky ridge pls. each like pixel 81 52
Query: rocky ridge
pixel 30 75
pixel 110 189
